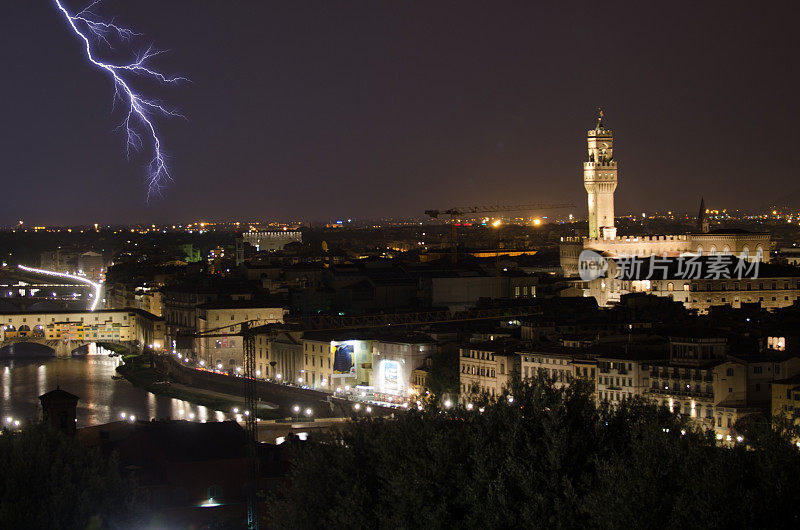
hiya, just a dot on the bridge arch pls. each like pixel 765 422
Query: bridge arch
pixel 26 350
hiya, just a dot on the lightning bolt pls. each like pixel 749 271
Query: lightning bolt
pixel 140 111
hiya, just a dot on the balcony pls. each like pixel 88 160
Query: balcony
pixel 681 393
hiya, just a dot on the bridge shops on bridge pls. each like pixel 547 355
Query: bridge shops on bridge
pixel 109 325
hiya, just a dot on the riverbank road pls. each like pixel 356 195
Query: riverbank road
pixel 275 432
pixel 237 399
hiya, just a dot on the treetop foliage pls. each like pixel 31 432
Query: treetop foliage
pixel 547 458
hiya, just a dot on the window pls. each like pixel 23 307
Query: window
pixel 180 496
pixel 214 491
pixel 729 372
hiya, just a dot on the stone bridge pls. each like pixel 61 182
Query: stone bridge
pixel 62 347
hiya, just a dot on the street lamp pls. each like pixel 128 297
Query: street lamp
pixel 308 412
pixel 278 376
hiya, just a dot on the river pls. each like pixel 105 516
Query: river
pixel 102 399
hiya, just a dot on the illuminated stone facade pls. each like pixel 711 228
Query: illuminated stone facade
pixel 600 181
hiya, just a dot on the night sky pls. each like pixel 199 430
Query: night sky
pixel 335 108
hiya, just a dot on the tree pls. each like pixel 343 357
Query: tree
pixel 539 457
pixel 443 374
pixel 50 481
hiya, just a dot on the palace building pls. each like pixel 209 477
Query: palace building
pixel 600 180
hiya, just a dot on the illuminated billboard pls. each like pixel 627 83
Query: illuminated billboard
pixel 344 362
pixel 390 377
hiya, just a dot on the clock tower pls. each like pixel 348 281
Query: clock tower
pixel 600 181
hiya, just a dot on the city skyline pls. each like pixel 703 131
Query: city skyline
pixel 383 111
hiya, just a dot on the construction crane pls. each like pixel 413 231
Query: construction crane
pixel 460 211
pixel 251 408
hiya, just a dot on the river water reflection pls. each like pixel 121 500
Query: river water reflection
pixel 102 399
